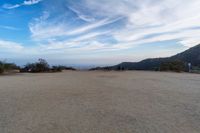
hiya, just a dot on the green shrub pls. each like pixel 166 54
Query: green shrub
pixel 57 69
pixel 195 69
pixel 7 67
pixel 177 66
pixel 1 68
pixel 61 68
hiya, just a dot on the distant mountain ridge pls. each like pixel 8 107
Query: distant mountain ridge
pixel 191 55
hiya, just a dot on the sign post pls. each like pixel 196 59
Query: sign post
pixel 189 67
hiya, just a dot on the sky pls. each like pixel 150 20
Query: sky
pixel 96 32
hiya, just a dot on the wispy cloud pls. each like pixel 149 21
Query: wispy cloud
pixel 146 18
pixel 25 3
pixel 10 46
pixel 9 6
pixel 8 27
pixel 151 18
pixel 42 28
pixel 81 15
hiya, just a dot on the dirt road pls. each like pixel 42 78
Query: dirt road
pixel 100 102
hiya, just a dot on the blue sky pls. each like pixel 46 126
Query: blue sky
pixel 96 32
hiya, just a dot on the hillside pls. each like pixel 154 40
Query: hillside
pixel 191 55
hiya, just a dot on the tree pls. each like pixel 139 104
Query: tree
pixel 40 66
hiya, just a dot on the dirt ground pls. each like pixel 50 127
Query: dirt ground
pixel 100 102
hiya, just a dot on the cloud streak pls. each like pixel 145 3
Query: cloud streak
pixel 8 27
pixel 25 3
pixel 81 15
pixel 42 28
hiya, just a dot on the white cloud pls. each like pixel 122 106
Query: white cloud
pixel 8 6
pixel 43 29
pixel 92 26
pixel 25 3
pixel 81 15
pixel 158 20
pixel 31 2
pixel 150 17
pixel 10 46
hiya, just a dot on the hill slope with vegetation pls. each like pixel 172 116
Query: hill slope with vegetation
pixel 177 62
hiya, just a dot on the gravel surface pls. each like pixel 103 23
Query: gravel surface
pixel 100 102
